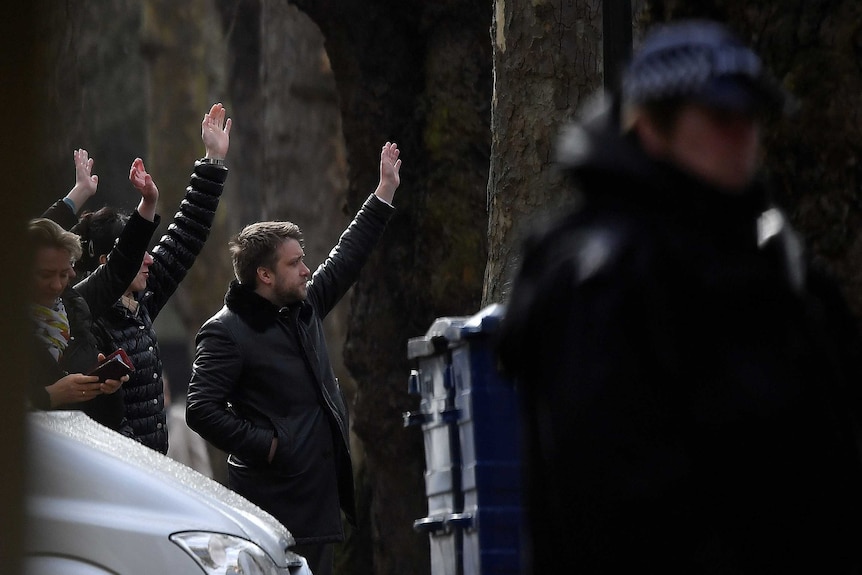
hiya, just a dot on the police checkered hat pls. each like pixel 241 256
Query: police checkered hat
pixel 699 61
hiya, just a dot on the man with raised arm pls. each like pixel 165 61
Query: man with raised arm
pixel 262 386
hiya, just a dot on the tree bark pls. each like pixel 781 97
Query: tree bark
pixel 183 40
pixel 547 61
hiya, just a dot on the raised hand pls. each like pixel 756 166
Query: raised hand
pixel 390 172
pixel 83 172
pixel 86 182
pixel 144 183
pixel 215 132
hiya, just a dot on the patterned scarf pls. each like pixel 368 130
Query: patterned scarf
pixel 52 326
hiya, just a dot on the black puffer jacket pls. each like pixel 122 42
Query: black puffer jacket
pixel 173 256
pixel 85 302
pixel 260 370
pixel 690 391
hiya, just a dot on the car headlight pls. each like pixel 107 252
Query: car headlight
pixel 220 554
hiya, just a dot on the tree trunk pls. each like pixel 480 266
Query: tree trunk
pixel 547 61
pixel 183 40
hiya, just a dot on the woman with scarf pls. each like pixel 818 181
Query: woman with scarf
pixel 64 349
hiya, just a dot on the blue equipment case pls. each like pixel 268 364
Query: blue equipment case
pixel 470 421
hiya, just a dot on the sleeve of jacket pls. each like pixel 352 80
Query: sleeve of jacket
pixel 103 287
pixel 177 250
pixel 341 269
pixel 216 374
pixel 62 214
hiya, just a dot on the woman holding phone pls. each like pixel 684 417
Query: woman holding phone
pixel 64 348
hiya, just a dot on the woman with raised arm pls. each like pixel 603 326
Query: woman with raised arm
pixel 128 324
pixel 64 349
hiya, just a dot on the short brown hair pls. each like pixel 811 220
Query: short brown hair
pixel 45 233
pixel 255 246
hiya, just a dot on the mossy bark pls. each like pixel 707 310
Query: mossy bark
pixel 547 63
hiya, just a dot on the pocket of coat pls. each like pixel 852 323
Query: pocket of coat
pixel 298 439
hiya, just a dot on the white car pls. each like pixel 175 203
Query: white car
pixel 99 503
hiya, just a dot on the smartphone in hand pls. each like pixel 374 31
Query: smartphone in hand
pixel 115 366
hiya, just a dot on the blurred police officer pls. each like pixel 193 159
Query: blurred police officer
pixel 689 392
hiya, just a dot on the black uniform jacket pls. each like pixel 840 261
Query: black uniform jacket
pixel 691 386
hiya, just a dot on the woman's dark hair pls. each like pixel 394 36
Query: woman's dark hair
pixel 99 231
